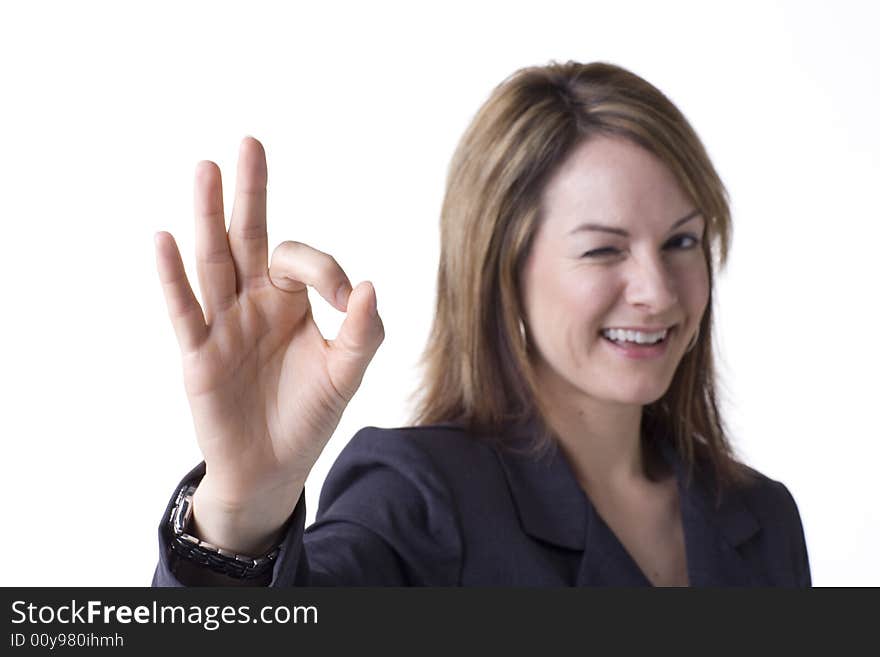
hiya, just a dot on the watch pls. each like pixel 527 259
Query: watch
pixel 189 548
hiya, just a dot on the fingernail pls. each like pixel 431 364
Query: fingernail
pixel 375 301
pixel 342 293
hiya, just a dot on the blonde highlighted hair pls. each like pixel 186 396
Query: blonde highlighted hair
pixel 476 369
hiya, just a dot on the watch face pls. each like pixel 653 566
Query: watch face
pixel 182 510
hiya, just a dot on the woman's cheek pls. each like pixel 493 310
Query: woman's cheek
pixel 692 278
pixel 597 290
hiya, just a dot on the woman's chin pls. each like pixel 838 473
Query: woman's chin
pixel 638 396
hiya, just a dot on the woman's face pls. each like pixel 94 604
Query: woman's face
pixel 619 247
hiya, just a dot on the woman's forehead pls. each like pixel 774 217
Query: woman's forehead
pixel 612 182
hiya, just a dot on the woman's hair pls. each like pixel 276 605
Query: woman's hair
pixel 476 369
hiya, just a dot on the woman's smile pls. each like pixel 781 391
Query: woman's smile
pixel 638 345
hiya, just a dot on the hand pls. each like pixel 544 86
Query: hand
pixel 266 390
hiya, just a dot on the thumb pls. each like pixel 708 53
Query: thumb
pixel 358 340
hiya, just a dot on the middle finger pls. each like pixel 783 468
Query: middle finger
pixel 248 239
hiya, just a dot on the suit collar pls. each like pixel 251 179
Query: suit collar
pixel 714 529
pixel 548 499
pixel 552 507
pixel 729 515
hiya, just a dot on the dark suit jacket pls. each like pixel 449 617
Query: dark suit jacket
pixel 433 506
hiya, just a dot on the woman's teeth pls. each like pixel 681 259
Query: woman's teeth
pixel 620 335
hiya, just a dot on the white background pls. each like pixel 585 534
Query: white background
pixel 107 106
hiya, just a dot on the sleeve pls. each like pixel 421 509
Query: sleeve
pixel 385 518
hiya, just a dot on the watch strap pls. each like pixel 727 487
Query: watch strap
pixel 194 550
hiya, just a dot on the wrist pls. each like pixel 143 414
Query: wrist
pixel 214 564
pixel 251 525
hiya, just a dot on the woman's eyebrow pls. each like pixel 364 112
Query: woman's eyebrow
pixel 621 231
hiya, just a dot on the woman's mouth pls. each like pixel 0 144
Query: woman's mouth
pixel 638 345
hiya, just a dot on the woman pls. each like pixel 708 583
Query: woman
pixel 568 430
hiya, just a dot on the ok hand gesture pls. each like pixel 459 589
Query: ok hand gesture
pixel 266 390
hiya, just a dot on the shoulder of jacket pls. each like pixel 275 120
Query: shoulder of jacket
pixel 445 451
pixel 772 502
pixel 435 439
pixel 769 498
pixel 426 461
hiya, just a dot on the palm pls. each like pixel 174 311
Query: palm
pixel 265 388
pixel 248 381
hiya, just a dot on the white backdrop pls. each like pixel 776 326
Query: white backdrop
pixel 107 106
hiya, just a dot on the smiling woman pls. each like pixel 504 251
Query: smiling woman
pixel 567 430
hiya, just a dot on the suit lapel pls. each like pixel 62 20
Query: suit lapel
pixel 606 562
pixel 553 508
pixel 549 503
pixel 714 532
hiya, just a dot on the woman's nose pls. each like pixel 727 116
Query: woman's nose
pixel 651 285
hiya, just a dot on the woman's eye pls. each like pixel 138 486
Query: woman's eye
pixel 685 241
pixel 600 252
